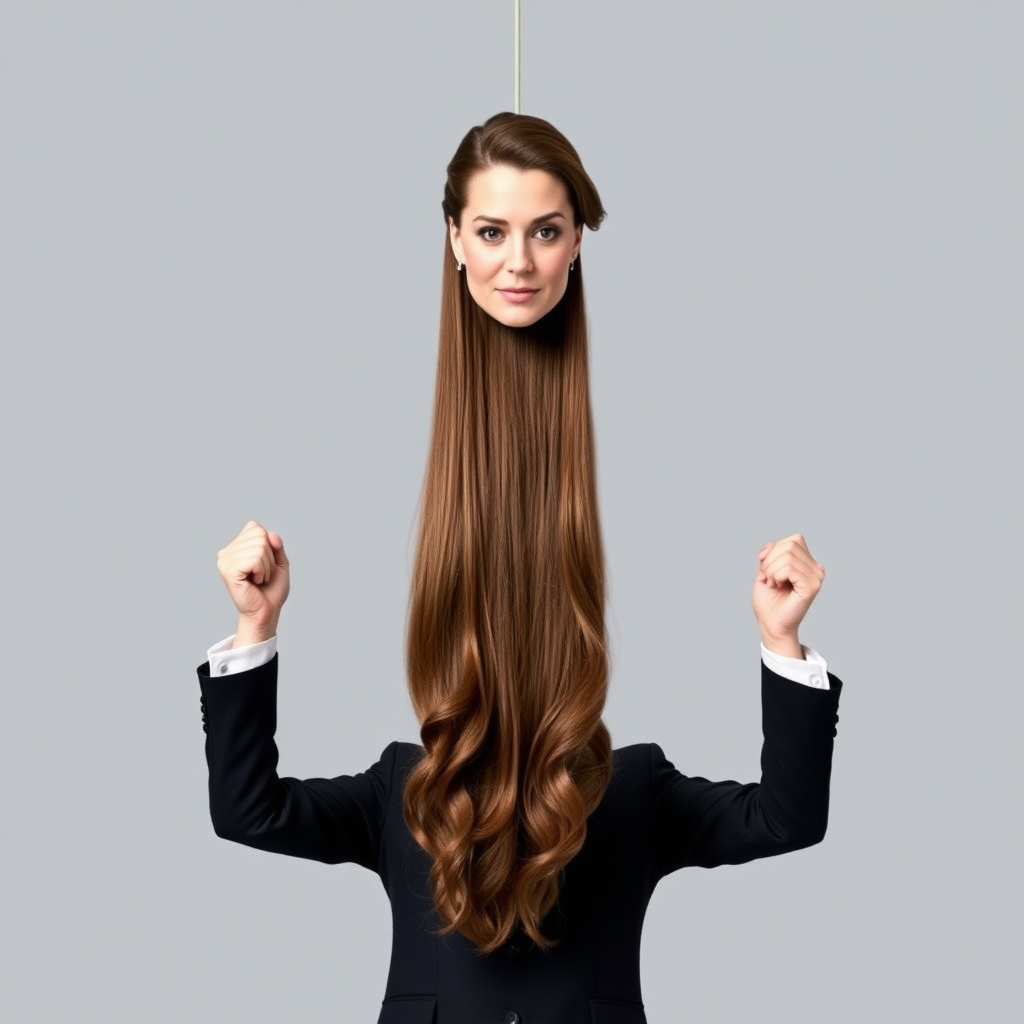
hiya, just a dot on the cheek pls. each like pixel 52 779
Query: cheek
pixel 556 265
pixel 479 254
pixel 481 262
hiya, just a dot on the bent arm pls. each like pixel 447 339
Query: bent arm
pixel 702 823
pixel 330 820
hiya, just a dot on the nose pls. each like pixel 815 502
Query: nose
pixel 518 260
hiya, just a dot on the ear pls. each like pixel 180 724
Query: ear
pixel 456 241
pixel 576 242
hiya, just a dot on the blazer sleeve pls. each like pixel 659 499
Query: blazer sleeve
pixel 330 820
pixel 702 823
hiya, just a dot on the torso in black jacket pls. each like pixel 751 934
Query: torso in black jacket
pixel 651 821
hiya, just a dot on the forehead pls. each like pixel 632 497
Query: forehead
pixel 509 192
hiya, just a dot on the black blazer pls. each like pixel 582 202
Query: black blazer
pixel 652 820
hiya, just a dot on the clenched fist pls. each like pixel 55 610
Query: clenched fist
pixel 254 568
pixel 788 580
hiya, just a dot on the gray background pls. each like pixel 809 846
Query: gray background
pixel 220 242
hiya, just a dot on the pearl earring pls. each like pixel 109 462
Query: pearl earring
pixel 458 267
pixel 573 264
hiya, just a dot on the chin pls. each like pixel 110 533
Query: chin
pixel 517 318
pixel 511 315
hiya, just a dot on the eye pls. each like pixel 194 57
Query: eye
pixel 548 233
pixel 490 233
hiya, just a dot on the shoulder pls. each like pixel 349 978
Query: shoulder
pixel 630 784
pixel 636 757
pixel 383 780
pixel 392 769
pixel 402 756
pixel 641 768
pixel 622 825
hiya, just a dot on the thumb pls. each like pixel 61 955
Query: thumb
pixel 280 558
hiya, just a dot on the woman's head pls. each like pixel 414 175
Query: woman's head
pixel 507 651
pixel 516 200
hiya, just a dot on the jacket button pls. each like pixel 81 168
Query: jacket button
pixel 512 1018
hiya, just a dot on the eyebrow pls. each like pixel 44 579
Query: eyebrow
pixel 504 223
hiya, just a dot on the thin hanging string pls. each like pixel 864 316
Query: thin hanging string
pixel 517 49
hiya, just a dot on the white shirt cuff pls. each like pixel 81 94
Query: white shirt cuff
pixel 226 660
pixel 812 672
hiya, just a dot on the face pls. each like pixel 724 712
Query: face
pixel 516 238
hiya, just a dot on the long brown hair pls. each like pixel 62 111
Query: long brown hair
pixel 507 649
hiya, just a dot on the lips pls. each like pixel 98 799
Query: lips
pixel 518 294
